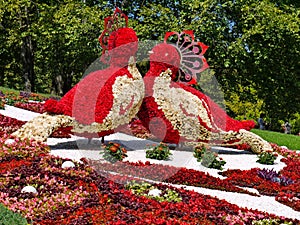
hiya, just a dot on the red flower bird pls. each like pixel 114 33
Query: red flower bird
pixel 175 112
pixel 105 99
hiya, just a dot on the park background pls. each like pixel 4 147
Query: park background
pixel 254 47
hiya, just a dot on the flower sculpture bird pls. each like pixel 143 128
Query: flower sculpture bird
pixel 175 112
pixel 105 99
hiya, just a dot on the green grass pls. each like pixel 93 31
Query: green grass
pixel 6 90
pixel 288 140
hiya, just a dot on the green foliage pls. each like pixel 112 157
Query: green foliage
pixel 208 158
pixel 114 152
pixel 8 217
pixel 64 41
pixel 270 222
pixel 154 20
pixel 198 152
pixel 33 96
pixel 243 108
pixel 267 158
pixel 145 189
pixel 252 44
pixel 71 34
pixel 288 140
pixel 159 152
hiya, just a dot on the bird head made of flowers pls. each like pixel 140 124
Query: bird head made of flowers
pixel 117 40
pixel 184 53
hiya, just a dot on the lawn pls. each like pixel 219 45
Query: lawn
pixel 288 140
pixel 10 91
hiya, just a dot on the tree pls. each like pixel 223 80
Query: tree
pixel 254 44
pixel 16 25
pixel 47 45
pixel 68 43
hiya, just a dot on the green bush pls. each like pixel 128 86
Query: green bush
pixel 267 158
pixel 159 152
pixel 208 158
pixel 8 217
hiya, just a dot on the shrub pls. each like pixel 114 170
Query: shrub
pixel 267 158
pixel 147 190
pixel 208 158
pixel 114 152
pixel 160 152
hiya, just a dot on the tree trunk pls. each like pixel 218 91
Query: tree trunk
pixel 68 83
pixel 27 55
pixel 28 64
pixel 58 84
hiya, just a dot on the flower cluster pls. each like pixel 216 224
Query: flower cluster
pixel 137 129
pixel 12 98
pixel 284 185
pixel 274 177
pixel 174 113
pixel 10 125
pixel 83 196
pixel 159 152
pixel 114 152
pixel 37 107
pixel 42 126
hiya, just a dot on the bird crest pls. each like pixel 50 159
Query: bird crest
pixel 192 61
pixel 111 24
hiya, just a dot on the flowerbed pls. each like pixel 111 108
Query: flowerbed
pixel 95 192
pixel 37 107
pixel 80 195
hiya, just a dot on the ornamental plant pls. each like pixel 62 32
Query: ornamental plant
pixel 211 159
pixel 114 152
pixel 267 158
pixel 208 158
pixel 159 152
pixel 198 152
pixel 274 176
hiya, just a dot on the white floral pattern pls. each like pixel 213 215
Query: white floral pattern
pixel 172 101
pixel 41 127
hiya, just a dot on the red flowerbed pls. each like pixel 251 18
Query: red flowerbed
pixel 167 174
pixel 37 107
pixel 95 199
pixel 288 194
